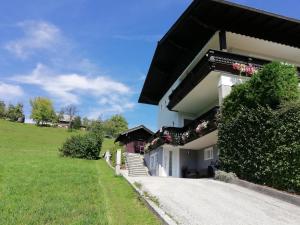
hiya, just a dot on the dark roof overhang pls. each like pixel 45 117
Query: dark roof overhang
pixel 194 28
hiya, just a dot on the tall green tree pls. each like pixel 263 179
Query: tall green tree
pixel 86 122
pixel 10 113
pixel 14 113
pixel 70 111
pixel 76 124
pixel 19 114
pixel 115 125
pixel 42 110
pixel 2 109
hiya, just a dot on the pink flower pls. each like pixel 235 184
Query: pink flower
pixel 236 66
pixel 201 126
pixel 243 68
pixel 167 138
pixel 153 142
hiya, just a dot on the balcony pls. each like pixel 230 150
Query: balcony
pixel 180 136
pixel 213 61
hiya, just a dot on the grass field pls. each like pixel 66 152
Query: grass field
pixel 39 187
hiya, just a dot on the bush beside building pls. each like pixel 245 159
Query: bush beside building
pixel 259 129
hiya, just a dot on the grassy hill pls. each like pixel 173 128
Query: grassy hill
pixel 39 187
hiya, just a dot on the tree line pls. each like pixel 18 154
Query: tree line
pixel 44 114
pixel 12 112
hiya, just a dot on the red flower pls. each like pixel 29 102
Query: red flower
pixel 167 138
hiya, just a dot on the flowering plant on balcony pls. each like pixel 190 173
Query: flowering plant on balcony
pixel 249 70
pixel 154 141
pixel 201 126
pixel 167 138
pixel 185 136
pixel 154 144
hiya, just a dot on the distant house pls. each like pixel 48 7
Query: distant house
pixel 64 121
pixel 134 139
pixel 213 46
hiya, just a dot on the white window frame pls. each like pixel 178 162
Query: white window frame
pixel 208 153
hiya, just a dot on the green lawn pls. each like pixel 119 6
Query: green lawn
pixel 39 187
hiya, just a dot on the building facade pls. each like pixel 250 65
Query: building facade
pixel 213 46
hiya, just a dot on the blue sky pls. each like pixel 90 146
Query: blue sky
pixel 92 53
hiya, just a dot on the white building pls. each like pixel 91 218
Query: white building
pixel 194 67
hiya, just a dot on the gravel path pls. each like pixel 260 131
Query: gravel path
pixel 209 202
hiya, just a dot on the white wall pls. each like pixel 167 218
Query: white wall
pixel 165 116
pixel 175 161
pixel 170 118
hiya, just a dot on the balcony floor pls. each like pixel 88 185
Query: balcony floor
pixel 202 142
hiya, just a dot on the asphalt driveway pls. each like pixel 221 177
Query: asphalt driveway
pixel 210 202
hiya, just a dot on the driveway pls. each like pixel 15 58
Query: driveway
pixel 210 202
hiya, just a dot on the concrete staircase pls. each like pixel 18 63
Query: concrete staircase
pixel 135 165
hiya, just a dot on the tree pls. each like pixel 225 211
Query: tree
pixel 86 122
pixel 76 123
pixel 115 125
pixel 15 113
pixel 71 111
pixel 10 114
pixel 42 110
pixel 19 115
pixel 273 85
pixel 2 109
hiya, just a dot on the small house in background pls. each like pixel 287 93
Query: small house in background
pixel 135 139
pixel 64 121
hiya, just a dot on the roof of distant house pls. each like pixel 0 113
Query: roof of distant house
pixel 65 118
pixel 139 133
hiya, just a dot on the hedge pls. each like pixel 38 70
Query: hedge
pixel 263 146
pixel 275 84
pixel 259 128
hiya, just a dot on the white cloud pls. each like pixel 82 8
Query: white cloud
pixel 81 84
pixel 111 108
pixel 9 92
pixel 110 96
pixel 38 35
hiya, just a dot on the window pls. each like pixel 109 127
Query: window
pixel 208 153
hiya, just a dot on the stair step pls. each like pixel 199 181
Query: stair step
pixel 137 173
pixel 135 165
pixel 136 168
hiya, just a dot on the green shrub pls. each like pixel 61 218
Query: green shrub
pixel 85 146
pixel 259 128
pixel 263 146
pixel 275 84
pixel 226 177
